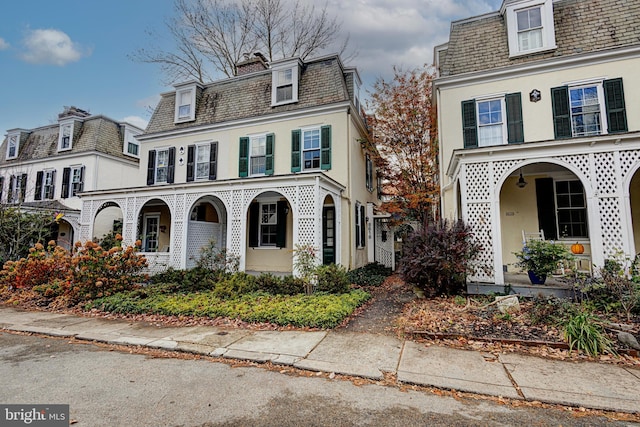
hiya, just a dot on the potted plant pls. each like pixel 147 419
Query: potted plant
pixel 540 258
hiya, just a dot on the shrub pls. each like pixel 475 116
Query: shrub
pixel 90 273
pixel 372 274
pixel 234 286
pixel 549 310
pixel 332 278
pixel 218 260
pixel 304 263
pixel 437 258
pixel 287 285
pixel 542 256
pixel 583 331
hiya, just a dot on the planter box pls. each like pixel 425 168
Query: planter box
pixel 558 291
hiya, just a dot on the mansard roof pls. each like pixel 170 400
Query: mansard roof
pixel 90 134
pixel 323 81
pixel 581 26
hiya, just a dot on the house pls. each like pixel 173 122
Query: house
pixel 539 128
pixel 254 165
pixel 46 168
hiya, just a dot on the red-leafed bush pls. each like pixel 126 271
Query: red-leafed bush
pixel 437 258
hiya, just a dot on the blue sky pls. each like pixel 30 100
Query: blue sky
pixel 55 53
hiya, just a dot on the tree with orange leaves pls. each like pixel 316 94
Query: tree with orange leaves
pixel 403 129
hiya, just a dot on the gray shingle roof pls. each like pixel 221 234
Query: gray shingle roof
pixel 581 26
pixel 321 82
pixel 95 133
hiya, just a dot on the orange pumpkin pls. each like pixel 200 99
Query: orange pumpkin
pixel 577 248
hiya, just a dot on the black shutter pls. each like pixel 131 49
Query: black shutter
pixel 363 228
pixel 213 161
pixel 614 101
pixel 23 186
pixel 171 170
pixel 546 204
pixel 39 179
pixel 52 191
pixel 325 147
pixel 191 154
pixel 281 233
pixel 561 115
pixel 515 131
pixel 357 221
pixel 66 175
pixel 10 194
pixel 151 168
pixel 295 150
pixel 268 169
pixel 243 162
pixel 1 187
pixel 81 184
pixel 254 224
pixel 469 128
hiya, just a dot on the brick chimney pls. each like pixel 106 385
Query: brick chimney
pixel 251 64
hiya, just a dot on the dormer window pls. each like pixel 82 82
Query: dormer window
pixel 284 82
pixel 131 146
pixel 185 110
pixel 66 137
pixel 12 147
pixel 530 26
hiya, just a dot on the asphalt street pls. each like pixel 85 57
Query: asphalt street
pixel 107 387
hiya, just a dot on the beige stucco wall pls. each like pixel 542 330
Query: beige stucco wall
pixel 271 258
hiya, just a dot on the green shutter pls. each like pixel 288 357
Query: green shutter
pixel 614 101
pixel 243 167
pixel 561 115
pixel 268 170
pixel 469 128
pixel 515 131
pixel 295 150
pixel 325 147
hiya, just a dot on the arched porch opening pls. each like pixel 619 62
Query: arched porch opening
pixel 206 228
pixel 547 198
pixel 269 237
pixel 154 226
pixel 634 205
pixel 107 221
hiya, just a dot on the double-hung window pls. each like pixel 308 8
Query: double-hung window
pixel 361 230
pixel 284 88
pixel 571 209
pixel 66 136
pixel 202 161
pixel 311 149
pixel 589 108
pixel 491 121
pixel 258 156
pixel 162 165
pixel 72 181
pixel 45 185
pixel 529 28
pixel 17 188
pixel 284 81
pixel 12 148
pixel 268 224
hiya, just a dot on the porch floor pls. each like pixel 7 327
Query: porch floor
pixel 523 279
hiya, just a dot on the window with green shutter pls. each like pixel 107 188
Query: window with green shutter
pixel 469 128
pixel 614 100
pixel 295 150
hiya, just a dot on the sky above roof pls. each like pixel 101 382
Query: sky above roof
pixel 56 54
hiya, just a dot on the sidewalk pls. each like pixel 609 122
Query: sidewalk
pixel 589 385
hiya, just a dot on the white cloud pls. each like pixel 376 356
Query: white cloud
pixel 136 121
pixel 52 47
pixel 3 44
pixel 400 33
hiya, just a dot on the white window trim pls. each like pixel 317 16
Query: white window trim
pixel 503 109
pixel 190 90
pixel 295 74
pixel 60 136
pixel 253 137
pixel 72 171
pixel 130 136
pixel 302 149
pixel 270 201
pixel 17 138
pixel 604 125
pixel 145 217
pixel 548 27
pixel 195 161
pixel 155 166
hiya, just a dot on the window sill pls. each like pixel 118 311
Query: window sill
pixel 267 248
pixel 277 104
pixel 532 52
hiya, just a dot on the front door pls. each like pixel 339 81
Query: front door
pixel 328 235
pixel 150 232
